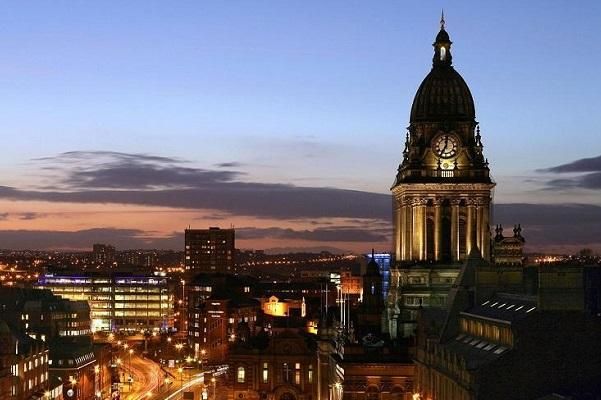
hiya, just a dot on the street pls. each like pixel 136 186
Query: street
pixel 147 377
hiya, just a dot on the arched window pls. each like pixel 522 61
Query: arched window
pixel 397 393
pixel 443 53
pixel 287 396
pixel 373 393
pixel 241 375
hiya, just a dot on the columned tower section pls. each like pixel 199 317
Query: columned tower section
pixel 443 190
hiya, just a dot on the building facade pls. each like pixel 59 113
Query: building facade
pixel 499 340
pixel 210 250
pixel 441 194
pixel 284 367
pixel 118 301
pixel 27 359
pixel 104 254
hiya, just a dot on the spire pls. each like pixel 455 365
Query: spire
pixel 442 46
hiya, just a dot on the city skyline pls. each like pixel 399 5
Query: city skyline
pixel 290 128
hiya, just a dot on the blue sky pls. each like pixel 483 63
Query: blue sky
pixel 307 93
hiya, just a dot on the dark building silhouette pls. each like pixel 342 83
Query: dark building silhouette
pixel 371 309
pixel 104 254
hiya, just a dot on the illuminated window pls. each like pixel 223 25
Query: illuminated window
pixel 443 53
pixel 241 375
pixel 297 373
pixel 310 374
pixel 286 372
pixel 265 372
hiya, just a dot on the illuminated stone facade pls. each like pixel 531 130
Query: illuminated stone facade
pixel 279 367
pixel 441 195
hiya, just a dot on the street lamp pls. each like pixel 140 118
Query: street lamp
pixel 181 376
pixel 214 382
pixel 203 352
pixel 179 348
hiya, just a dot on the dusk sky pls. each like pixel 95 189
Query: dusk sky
pixel 126 122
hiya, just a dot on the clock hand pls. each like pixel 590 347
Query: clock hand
pixel 446 143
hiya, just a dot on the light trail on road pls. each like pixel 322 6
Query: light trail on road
pixel 197 379
pixel 146 375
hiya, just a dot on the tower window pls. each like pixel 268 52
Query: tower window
pixel 241 375
pixel 443 53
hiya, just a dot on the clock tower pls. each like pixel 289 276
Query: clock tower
pixel 442 193
pixel 443 190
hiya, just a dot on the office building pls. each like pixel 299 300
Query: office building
pixel 210 250
pixel 104 254
pixel 118 301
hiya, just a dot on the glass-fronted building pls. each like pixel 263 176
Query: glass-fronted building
pixel 118 301
pixel 383 260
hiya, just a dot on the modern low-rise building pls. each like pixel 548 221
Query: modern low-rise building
pixel 118 301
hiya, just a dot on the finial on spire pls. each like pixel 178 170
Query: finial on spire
pixel 442 19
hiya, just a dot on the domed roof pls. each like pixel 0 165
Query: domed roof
pixel 443 94
pixel 4 329
pixel 442 36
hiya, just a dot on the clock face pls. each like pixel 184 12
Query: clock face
pixel 446 145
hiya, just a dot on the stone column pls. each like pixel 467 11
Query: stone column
pixel 403 230
pixel 409 231
pixel 422 217
pixel 437 230
pixel 398 228
pixel 485 231
pixel 416 234
pixel 469 240
pixel 478 232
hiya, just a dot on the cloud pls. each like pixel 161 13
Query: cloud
pixel 553 224
pixel 113 170
pixel 592 164
pixel 329 234
pixel 142 179
pixel 584 174
pixel 99 155
pixel 149 180
pixel 231 164
pixel 83 239
pixel 587 181
pixel 28 216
